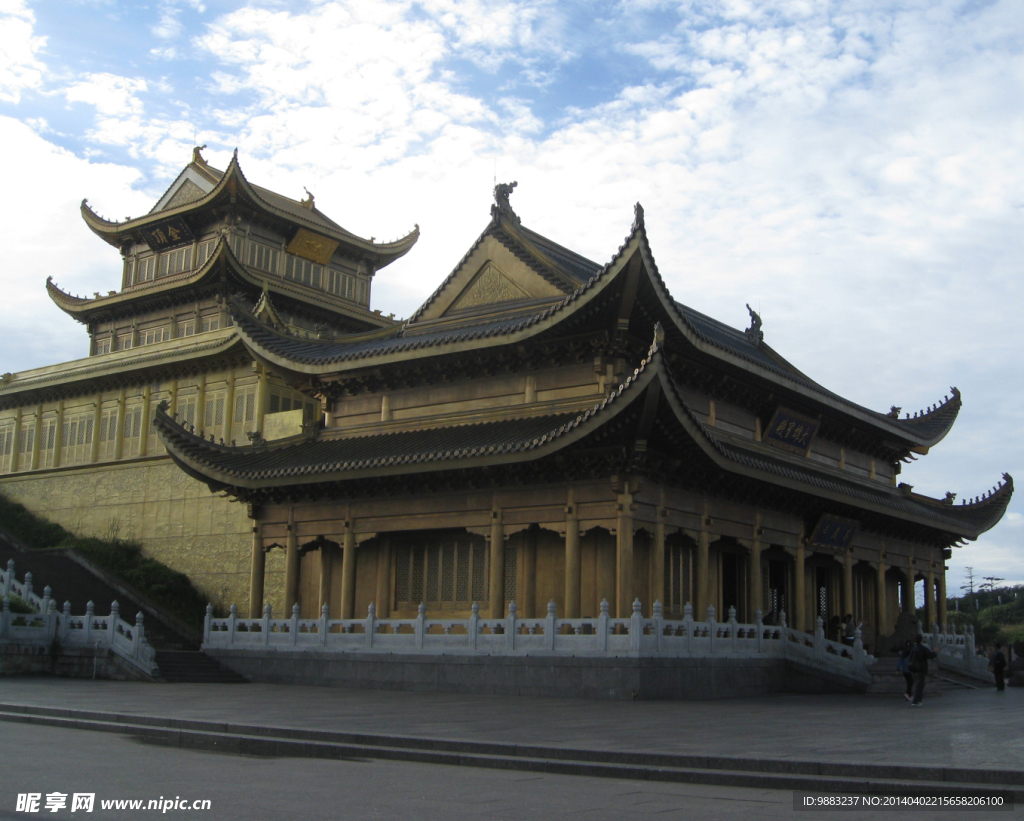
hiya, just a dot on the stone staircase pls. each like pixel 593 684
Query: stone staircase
pixel 887 682
pixel 194 667
pixel 178 656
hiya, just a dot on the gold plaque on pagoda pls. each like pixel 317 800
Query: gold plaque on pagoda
pixel 314 247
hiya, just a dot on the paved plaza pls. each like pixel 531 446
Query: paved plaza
pixel 975 729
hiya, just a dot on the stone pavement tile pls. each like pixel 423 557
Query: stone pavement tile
pixel 965 728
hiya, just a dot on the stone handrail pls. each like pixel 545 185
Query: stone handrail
pixel 956 651
pixel 600 636
pixel 48 625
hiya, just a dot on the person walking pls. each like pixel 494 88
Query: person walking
pixel 903 666
pixel 919 656
pixel 997 664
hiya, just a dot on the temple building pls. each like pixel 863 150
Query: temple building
pixel 543 428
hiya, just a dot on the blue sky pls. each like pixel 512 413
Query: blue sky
pixel 852 169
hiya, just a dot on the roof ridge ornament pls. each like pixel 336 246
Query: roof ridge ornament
pixel 638 217
pixel 310 202
pixel 754 334
pixel 502 192
pixel 197 156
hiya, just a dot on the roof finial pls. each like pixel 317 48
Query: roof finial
pixel 638 216
pixel 310 201
pixel 894 412
pixel 754 333
pixel 502 191
pixel 197 156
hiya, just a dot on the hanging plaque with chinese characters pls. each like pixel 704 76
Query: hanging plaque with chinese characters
pixel 314 247
pixel 166 234
pixel 833 531
pixel 791 431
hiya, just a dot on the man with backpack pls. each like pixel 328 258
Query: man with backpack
pixel 918 667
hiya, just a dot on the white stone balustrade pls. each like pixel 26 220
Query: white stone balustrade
pixel 48 626
pixel 956 651
pixel 601 636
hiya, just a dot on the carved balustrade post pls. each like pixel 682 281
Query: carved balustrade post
pixel 207 619
pixel 510 626
pixel 474 625
pixel 636 627
pixel 603 627
pixel 371 624
pixel 550 626
pixel 421 624
pixel 657 626
pixel 115 618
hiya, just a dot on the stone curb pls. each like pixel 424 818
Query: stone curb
pixel 713 770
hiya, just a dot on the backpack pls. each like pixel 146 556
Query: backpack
pixel 916 664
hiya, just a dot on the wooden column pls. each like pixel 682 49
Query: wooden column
pixel 119 430
pixel 97 418
pixel 229 408
pixel 528 605
pixel 256 572
pixel 941 594
pixel 848 582
pixel 36 444
pixel 497 580
pixel 800 592
pixel 383 598
pixel 16 444
pixel 658 561
pixel 58 434
pixel 572 559
pixel 348 573
pixel 700 584
pixel 201 404
pixel 624 557
pixel 929 600
pixel 326 560
pixel 756 583
pixel 882 627
pixel 147 398
pixel 291 567
pixel 262 389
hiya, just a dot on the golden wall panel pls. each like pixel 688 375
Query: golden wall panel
pixel 176 519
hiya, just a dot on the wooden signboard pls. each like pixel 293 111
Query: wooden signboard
pixel 312 246
pixel 834 531
pixel 791 431
pixel 167 234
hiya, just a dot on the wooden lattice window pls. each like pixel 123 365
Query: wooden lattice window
pixel 445 571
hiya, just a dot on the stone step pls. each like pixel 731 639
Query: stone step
pixel 765 773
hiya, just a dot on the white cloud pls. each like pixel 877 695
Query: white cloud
pixel 113 96
pixel 20 68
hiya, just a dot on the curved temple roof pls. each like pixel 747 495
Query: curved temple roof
pixel 82 308
pixel 232 184
pixel 687 326
pixel 318 459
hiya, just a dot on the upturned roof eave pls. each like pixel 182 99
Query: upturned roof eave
pixel 115 233
pixel 535 325
pixel 556 439
pixel 83 309
pixel 816 394
pixel 932 513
